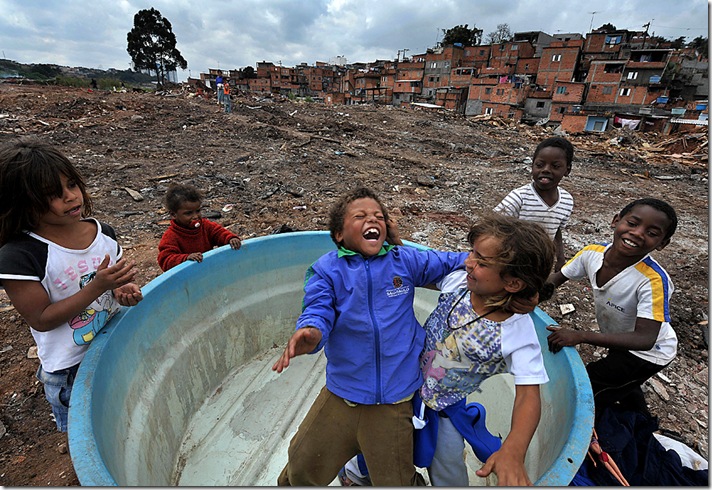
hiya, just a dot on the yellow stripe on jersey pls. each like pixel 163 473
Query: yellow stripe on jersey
pixel 658 289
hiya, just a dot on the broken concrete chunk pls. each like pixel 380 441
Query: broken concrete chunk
pixel 659 389
pixel 32 352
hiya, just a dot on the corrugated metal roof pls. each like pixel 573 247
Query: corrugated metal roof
pixel 696 122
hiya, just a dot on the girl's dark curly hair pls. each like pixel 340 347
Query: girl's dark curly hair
pixel 526 252
pixel 30 171
pixel 338 210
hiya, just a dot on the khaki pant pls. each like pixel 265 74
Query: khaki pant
pixel 333 432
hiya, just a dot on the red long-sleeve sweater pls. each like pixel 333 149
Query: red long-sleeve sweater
pixel 178 242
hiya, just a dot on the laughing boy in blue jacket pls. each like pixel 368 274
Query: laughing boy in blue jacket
pixel 358 306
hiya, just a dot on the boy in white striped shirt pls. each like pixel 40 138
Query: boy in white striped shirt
pixel 542 200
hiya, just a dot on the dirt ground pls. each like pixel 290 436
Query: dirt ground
pixel 281 164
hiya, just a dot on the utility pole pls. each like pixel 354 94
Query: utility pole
pixel 645 34
pixel 590 27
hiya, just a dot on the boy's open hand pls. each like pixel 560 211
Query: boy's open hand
pixel 562 337
pixel 301 342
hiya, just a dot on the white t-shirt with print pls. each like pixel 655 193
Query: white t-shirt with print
pixel 62 273
pixel 459 355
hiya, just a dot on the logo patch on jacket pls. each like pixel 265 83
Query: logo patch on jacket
pixel 399 289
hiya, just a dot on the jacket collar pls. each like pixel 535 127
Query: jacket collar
pixel 343 252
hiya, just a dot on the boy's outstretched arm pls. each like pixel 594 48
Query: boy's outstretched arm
pixel 508 462
pixel 301 342
pixel 642 338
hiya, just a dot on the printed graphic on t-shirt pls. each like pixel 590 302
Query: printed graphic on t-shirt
pixel 89 322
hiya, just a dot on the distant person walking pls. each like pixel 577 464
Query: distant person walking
pixel 219 85
pixel 93 84
pixel 226 97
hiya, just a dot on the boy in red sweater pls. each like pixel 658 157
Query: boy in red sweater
pixel 189 235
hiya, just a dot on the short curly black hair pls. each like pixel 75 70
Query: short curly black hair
pixel 178 194
pixel 661 206
pixel 338 210
pixel 558 142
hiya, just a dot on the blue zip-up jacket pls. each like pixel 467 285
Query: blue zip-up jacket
pixel 364 310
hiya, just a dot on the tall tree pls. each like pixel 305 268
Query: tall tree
pixel 606 28
pixel 678 43
pixel 463 35
pixel 500 35
pixel 249 72
pixel 152 45
pixel 700 44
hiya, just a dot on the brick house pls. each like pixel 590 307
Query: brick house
pixel 559 62
pixel 438 63
pixel 566 98
pixel 408 83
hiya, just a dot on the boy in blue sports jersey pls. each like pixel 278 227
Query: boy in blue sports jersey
pixel 632 293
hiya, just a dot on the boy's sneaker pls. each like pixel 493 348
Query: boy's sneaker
pixel 348 479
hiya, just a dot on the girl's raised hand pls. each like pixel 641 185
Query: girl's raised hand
pixel 110 278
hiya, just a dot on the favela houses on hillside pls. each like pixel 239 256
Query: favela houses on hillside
pixel 578 83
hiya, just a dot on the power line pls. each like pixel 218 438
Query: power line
pixel 682 28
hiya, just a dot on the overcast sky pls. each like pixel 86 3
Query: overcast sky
pixel 235 34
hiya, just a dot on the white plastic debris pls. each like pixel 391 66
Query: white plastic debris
pixel 567 308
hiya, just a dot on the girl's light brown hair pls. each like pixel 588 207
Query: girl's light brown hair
pixel 526 252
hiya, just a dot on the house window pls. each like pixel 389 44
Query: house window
pixel 540 104
pixel 632 75
pixel 607 90
pixel 560 90
pixel 433 64
pixel 526 67
pixel 488 90
pixel 562 110
pixel 556 57
pixel 488 111
pixel 514 47
pixel 625 92
pixel 500 91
